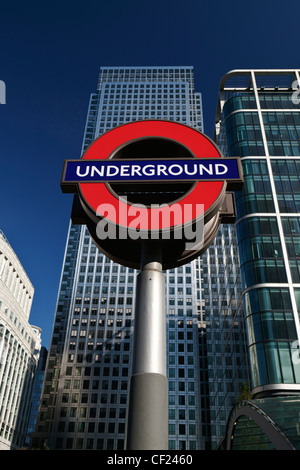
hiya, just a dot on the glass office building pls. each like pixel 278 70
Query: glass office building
pixel 84 400
pixel 36 394
pixel 258 119
pixel 227 364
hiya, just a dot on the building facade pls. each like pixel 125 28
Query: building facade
pixel 258 119
pixel 36 393
pixel 226 338
pixel 20 344
pixel 84 400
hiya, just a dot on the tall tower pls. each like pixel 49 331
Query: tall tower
pixel 20 345
pixel 84 400
pixel 258 119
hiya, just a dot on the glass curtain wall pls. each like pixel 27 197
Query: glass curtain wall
pixel 261 121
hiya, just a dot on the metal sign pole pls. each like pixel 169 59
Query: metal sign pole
pixel 147 420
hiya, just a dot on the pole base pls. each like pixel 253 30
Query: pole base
pixel 147 419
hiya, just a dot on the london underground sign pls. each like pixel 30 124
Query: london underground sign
pixel 152 194
pixel 152 178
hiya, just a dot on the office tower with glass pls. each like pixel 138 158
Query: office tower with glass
pixel 227 364
pixel 36 394
pixel 84 400
pixel 258 119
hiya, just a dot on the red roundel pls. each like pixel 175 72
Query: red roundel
pixel 200 146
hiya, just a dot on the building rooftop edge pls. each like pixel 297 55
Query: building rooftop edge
pixel 5 239
pixel 146 67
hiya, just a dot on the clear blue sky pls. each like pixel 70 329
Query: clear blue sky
pixel 50 54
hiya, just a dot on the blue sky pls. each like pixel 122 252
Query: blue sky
pixel 50 54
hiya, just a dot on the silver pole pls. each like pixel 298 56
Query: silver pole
pixel 147 421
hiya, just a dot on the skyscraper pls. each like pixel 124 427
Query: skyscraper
pixel 84 401
pixel 258 119
pixel 20 345
pixel 225 337
pixel 36 393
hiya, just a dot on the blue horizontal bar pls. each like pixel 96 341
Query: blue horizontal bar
pixel 213 169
